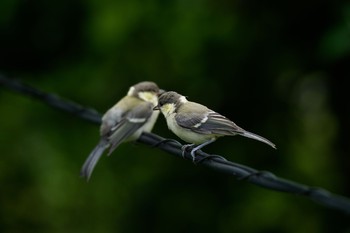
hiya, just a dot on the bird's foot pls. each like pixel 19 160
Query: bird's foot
pixel 184 148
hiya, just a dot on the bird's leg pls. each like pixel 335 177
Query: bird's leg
pixel 193 151
pixel 184 147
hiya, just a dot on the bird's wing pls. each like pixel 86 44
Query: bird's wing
pixel 200 119
pixel 129 124
pixel 207 123
pixel 218 124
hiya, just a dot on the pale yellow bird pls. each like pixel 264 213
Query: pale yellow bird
pixel 197 124
pixel 125 121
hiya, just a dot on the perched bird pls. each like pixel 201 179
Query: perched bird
pixel 125 121
pixel 197 124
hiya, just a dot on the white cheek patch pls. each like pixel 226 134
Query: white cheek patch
pixel 148 97
pixel 168 109
pixel 200 123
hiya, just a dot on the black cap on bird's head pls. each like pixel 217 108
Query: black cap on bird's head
pixel 170 97
pixel 143 87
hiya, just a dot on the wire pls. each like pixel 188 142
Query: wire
pixel 219 163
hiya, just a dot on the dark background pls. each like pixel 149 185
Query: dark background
pixel 276 68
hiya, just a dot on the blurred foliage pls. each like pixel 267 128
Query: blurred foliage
pixel 277 68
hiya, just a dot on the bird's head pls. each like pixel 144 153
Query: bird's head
pixel 147 91
pixel 169 102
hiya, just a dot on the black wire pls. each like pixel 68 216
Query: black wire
pixel 261 178
pixel 53 100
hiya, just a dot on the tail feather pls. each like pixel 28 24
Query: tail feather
pixel 93 158
pixel 257 137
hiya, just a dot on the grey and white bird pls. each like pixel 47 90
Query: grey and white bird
pixel 125 121
pixel 196 124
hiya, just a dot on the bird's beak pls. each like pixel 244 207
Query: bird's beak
pixel 156 108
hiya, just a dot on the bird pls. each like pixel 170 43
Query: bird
pixel 125 122
pixel 196 124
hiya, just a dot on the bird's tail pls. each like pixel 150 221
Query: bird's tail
pixel 93 158
pixel 256 137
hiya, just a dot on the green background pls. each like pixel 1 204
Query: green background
pixel 276 68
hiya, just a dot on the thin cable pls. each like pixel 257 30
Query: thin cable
pixel 261 178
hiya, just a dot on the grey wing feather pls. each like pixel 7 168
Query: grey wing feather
pixel 188 120
pixel 93 158
pixel 131 122
pixel 214 123
pixel 125 129
pixel 121 131
pixel 218 124
pixel 209 123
